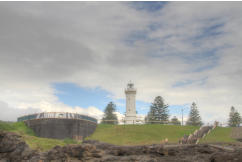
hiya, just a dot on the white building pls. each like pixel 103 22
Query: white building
pixel 130 116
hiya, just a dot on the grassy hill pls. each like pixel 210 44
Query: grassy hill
pixel 41 144
pixel 17 127
pixel 140 134
pixel 219 135
pixel 121 134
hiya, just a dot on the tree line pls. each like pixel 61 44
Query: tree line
pixel 159 114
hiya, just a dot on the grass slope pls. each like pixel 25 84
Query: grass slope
pixel 17 127
pixel 219 135
pixel 41 144
pixel 140 134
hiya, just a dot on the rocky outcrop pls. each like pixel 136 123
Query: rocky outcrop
pixel 13 149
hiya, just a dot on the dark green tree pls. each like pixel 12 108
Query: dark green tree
pixel 234 118
pixel 194 117
pixel 158 111
pixel 109 116
pixel 175 121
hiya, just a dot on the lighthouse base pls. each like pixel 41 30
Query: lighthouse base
pixel 130 120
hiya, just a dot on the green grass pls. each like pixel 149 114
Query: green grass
pixel 41 144
pixel 17 127
pixel 121 135
pixel 219 135
pixel 140 134
pixel 44 144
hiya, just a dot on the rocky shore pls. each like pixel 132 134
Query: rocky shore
pixel 14 149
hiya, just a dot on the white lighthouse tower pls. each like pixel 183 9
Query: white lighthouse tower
pixel 130 116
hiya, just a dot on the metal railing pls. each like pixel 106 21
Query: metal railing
pixel 59 115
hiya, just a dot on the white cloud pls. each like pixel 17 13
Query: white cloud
pixel 11 114
pixel 84 43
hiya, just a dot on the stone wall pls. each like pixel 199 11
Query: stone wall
pixel 62 128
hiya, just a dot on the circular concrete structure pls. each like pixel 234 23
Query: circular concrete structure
pixel 60 125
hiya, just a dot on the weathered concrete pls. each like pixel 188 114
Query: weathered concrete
pixel 62 128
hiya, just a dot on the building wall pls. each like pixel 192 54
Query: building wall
pixel 62 128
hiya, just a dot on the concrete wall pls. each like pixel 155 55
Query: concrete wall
pixel 62 128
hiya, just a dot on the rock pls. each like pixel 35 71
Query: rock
pixel 13 149
pixel 231 157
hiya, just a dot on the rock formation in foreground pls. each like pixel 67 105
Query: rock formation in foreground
pixel 13 149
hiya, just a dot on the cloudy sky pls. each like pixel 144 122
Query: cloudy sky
pixel 78 56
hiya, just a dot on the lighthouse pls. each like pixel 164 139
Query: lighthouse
pixel 130 116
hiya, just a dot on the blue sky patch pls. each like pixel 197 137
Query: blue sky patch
pixel 136 36
pixel 182 83
pixel 212 30
pixel 187 82
pixel 209 31
pixel 73 95
pixel 149 6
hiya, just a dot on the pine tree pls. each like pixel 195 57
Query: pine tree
pixel 158 111
pixel 151 116
pixel 194 117
pixel 109 114
pixel 175 121
pixel 234 118
pixel 237 119
pixel 231 117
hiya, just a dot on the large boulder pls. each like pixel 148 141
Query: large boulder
pixel 12 147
